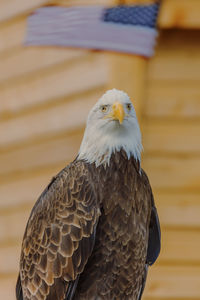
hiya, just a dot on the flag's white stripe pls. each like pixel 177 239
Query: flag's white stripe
pixel 118 34
pixel 60 12
pixel 101 45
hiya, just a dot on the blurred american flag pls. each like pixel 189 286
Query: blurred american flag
pixel 129 29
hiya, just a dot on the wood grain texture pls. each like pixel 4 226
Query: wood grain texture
pixel 173 99
pixel 12 35
pixel 64 80
pixel 8 232
pixel 26 60
pixel 22 191
pixel 188 243
pixel 59 151
pixel 6 287
pixel 10 9
pixel 180 56
pixel 173 173
pixel 172 137
pixel 9 258
pixel 173 283
pixel 48 122
pixel 162 67
pixel 178 210
pixel 14 197
pixel 179 14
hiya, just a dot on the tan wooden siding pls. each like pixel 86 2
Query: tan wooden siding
pixel 171 127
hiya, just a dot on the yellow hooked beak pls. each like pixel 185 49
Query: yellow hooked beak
pixel 117 112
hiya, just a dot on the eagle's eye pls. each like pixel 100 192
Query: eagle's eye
pixel 104 108
pixel 128 106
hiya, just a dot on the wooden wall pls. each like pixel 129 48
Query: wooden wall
pixel 171 123
pixel 45 96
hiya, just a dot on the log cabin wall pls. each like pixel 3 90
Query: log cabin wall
pixel 45 95
pixel 171 131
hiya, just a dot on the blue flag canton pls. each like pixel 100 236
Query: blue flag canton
pixel 140 15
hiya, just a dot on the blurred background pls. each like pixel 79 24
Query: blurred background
pixel 45 96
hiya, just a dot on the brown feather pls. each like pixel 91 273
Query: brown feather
pixel 116 267
pixel 55 232
pixel 68 249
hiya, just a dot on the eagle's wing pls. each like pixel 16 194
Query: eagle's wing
pixel 59 236
pixel 154 242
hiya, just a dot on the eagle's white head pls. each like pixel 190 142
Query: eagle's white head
pixel 111 125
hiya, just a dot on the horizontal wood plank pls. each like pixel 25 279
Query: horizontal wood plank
pixel 48 122
pixel 171 136
pixel 173 99
pixel 180 210
pixel 7 287
pixel 180 246
pixel 172 283
pixel 9 259
pixel 173 42
pixel 26 60
pixel 162 67
pixel 63 81
pixel 173 173
pixel 173 53
pixel 179 14
pixel 60 149
pixel 12 35
pixel 24 191
pixel 13 226
pixel 12 8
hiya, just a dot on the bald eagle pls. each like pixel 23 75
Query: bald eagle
pixel 94 230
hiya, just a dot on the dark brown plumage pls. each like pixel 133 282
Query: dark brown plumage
pixel 91 235
pixel 60 234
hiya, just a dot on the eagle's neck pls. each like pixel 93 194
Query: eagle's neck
pixel 99 146
pixel 120 162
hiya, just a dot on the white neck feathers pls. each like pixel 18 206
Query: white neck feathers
pixel 97 146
